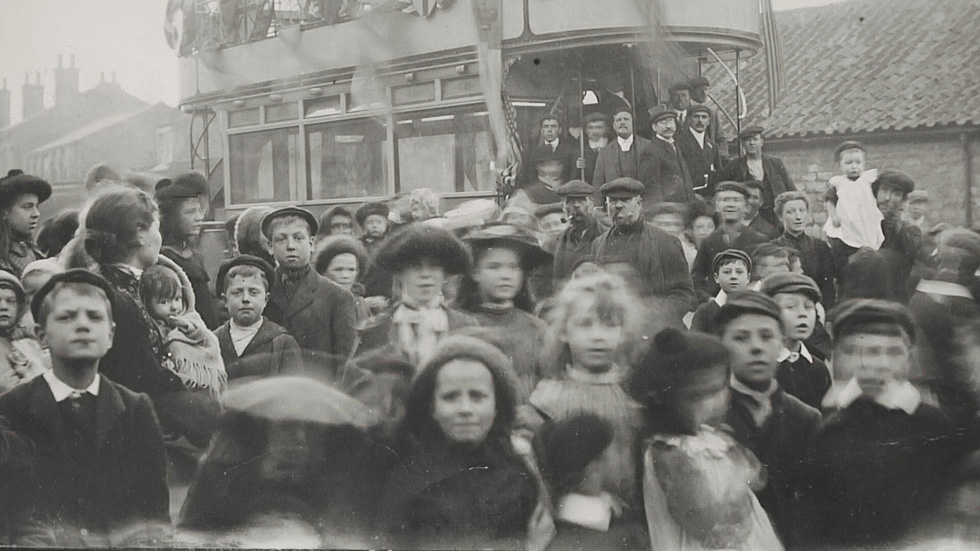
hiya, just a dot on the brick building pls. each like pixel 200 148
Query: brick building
pixel 901 77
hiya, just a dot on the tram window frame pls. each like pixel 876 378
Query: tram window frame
pixel 320 187
pixel 247 179
pixel 426 161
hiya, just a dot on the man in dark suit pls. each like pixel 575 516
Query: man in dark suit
pixel 755 166
pixel 554 141
pixel 699 96
pixel 699 151
pixel 99 458
pixel 731 234
pixel 622 157
pixel 317 312
pixel 668 178
pixel 652 255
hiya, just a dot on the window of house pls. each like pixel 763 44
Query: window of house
pixel 265 166
pixel 346 159
pixel 447 151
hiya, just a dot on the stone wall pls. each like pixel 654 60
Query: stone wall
pixel 935 160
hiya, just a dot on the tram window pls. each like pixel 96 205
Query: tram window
pixel 448 152
pixel 321 106
pixel 264 165
pixel 346 159
pixel 243 117
pixel 283 112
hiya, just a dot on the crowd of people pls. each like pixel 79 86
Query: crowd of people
pixel 648 347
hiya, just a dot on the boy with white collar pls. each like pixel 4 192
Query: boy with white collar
pixel 800 373
pixel 731 269
pixel 877 466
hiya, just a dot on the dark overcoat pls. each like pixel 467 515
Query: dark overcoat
pixel 669 179
pixel 702 162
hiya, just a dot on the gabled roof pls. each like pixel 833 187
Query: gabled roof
pixel 866 65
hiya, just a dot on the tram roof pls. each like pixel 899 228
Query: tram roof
pixel 862 66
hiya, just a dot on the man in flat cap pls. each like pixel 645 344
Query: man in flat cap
pixel 656 256
pixel 859 488
pixel 622 157
pixel 699 96
pixel 702 155
pixel 583 228
pixel 668 178
pixel 753 165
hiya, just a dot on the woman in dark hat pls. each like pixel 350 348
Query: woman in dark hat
pixel 419 258
pixel 460 484
pixel 20 195
pixel 181 215
pixel 496 294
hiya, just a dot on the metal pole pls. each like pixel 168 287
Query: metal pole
pixel 966 141
pixel 632 86
pixel 738 104
pixel 581 118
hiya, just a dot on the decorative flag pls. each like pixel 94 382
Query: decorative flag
pixel 773 52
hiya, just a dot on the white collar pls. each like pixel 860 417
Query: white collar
pixel 699 136
pixel 899 395
pixel 235 328
pixel 554 141
pixel 944 288
pixel 62 391
pixel 663 139
pixel 785 353
pixel 599 144
pixel 764 396
pixel 594 512
pixel 757 286
pixel 625 143
pixel 721 298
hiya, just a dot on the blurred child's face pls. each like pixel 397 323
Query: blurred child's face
pixel 799 314
pixel 704 399
pixel 586 269
pixel 291 244
pixel 794 216
pixel 753 203
pixel 422 283
pixel 876 360
pixel 670 223
pixel 246 298
pixel 498 275
pixel 553 225
pixel 731 205
pixel 8 308
pixel 732 277
pixel 342 270
pixel 464 401
pixel 341 225
pixel 77 327
pixel 852 163
pixel 702 227
pixel 592 342
pixel 164 307
pixel 769 265
pixel 375 225
pixel 754 341
pixel 916 209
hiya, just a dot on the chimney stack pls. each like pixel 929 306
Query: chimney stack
pixel 65 82
pixel 32 95
pixel 4 105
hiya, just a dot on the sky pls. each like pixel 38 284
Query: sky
pixel 125 36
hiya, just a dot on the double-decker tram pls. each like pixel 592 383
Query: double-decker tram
pixel 320 102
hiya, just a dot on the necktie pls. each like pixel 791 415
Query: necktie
pixel 554 145
pixel 794 357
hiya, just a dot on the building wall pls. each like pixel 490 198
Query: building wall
pixel 935 160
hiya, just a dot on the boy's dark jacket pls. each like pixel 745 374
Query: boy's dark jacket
pixel 129 478
pixel 272 351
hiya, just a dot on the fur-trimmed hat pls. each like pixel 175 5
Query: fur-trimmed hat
pixel 565 447
pixel 368 209
pixel 327 216
pixel 185 186
pixel 334 245
pixel 17 183
pixel 417 241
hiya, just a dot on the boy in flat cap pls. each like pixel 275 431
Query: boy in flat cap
pixel 583 227
pixel 774 425
pixel 699 151
pixel 731 269
pixel 656 256
pixel 20 195
pixel 100 453
pixel 669 178
pixel 730 204
pixel 252 345
pixel 754 165
pixel 800 373
pixel 878 465
pixel 317 312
